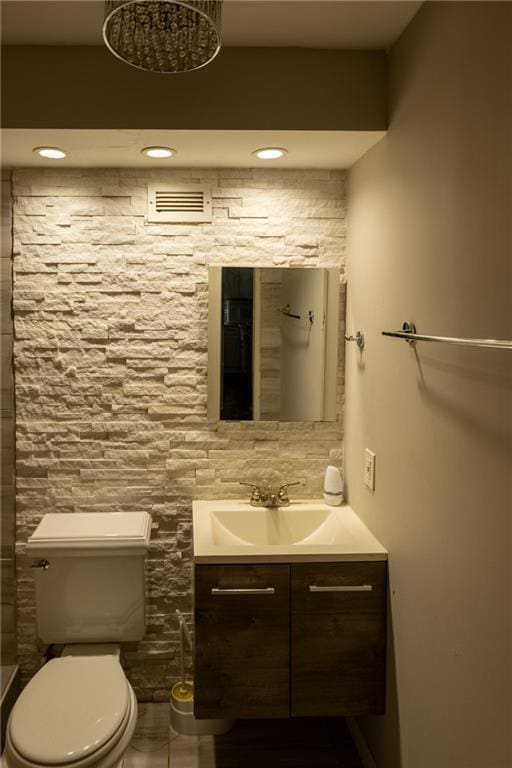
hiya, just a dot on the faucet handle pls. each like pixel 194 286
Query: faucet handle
pixel 256 490
pixel 282 493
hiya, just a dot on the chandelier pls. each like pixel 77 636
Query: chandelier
pixel 164 36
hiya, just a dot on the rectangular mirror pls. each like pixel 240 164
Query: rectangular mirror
pixel 272 343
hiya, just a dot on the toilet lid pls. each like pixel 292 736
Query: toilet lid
pixel 69 710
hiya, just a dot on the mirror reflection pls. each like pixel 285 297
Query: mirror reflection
pixel 273 343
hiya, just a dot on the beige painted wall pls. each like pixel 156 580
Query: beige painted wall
pixel 244 88
pixel 430 241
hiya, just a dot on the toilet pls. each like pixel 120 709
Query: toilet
pixel 79 710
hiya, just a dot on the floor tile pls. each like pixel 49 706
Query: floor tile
pixel 156 758
pixel 152 726
pixel 191 751
pixel 292 743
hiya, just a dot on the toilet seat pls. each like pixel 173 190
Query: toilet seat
pixel 77 712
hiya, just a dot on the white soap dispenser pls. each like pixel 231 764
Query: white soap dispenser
pixel 333 486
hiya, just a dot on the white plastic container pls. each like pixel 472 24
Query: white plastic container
pixel 183 719
pixel 333 486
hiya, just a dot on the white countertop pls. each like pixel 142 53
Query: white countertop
pixel 233 531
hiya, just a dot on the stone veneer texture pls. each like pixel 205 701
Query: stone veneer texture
pixel 111 365
pixel 7 515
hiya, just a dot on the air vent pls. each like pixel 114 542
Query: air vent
pixel 190 203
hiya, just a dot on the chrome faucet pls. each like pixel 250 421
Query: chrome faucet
pixel 262 495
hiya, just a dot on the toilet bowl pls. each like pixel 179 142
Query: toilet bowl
pixel 78 711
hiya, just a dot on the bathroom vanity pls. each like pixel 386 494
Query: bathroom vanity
pixel 290 612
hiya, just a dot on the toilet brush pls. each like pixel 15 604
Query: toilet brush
pixel 182 697
pixel 184 689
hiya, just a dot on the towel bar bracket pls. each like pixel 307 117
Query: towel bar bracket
pixel 358 338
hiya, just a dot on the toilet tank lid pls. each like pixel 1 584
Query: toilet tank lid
pixel 108 532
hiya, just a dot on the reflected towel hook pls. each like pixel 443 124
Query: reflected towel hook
pixel 287 312
pixel 358 338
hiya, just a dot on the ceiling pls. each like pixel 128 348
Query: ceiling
pixel 195 149
pixel 334 24
pixel 303 23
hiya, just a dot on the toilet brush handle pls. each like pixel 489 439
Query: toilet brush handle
pixel 182 651
pixel 184 633
pixel 186 630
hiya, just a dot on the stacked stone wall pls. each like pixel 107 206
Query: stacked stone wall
pixel 111 364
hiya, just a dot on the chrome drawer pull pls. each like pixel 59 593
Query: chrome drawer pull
pixel 244 591
pixel 358 588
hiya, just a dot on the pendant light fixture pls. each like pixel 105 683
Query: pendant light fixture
pixel 165 36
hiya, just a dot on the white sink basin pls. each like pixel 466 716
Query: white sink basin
pixel 283 525
pixel 234 531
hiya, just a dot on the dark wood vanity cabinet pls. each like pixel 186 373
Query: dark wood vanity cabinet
pixel 290 640
pixel 338 638
pixel 242 641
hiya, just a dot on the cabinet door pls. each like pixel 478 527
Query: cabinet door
pixel 338 638
pixel 242 636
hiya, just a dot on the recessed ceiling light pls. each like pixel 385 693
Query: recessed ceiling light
pixel 53 153
pixel 158 152
pixel 270 153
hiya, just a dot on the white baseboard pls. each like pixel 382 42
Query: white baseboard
pixel 361 745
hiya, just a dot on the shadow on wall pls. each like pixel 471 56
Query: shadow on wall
pixel 475 421
pixel 386 729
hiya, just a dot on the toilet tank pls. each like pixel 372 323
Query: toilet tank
pixel 89 576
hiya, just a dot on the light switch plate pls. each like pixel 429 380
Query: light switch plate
pixel 369 469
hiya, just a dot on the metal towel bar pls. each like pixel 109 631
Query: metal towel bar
pixel 408 333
